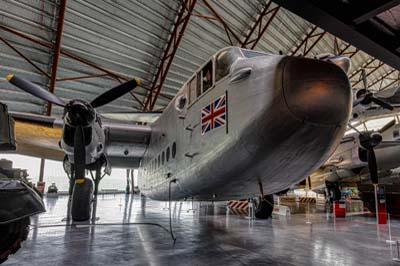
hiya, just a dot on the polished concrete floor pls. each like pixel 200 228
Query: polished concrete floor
pixel 209 236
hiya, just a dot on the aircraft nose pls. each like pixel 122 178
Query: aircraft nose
pixel 316 91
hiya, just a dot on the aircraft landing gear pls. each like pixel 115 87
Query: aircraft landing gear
pixel 266 205
pixel 81 202
pixel 333 191
pixel 83 193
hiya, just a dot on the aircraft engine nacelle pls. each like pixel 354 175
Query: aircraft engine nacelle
pixel 387 157
pixel 94 142
pixel 343 173
pixel 347 155
pixel 360 108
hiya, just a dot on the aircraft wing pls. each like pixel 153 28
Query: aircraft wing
pixel 39 136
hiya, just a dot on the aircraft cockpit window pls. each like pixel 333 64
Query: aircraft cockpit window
pixel 224 61
pixel 207 78
pixel 198 84
pixel 250 54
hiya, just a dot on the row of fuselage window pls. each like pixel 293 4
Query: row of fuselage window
pixel 163 158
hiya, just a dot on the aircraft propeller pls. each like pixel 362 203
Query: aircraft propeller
pixel 365 97
pixel 101 100
pixel 78 114
pixel 368 142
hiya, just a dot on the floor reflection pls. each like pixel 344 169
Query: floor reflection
pixel 208 234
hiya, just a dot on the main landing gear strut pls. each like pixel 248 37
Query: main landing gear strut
pixel 266 205
pixel 83 192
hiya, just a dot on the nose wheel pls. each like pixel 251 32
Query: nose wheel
pixel 265 207
pixel 82 203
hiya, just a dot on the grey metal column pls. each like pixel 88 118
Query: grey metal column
pixel 41 171
pixel 132 182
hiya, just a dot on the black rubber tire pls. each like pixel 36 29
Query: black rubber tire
pixel 12 235
pixel 265 207
pixel 81 205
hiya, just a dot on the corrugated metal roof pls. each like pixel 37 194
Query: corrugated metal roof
pixel 129 38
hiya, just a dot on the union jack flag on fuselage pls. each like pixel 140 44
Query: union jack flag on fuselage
pixel 213 115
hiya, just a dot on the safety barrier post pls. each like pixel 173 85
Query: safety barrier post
pixel 192 209
pixel 398 252
pixel 165 206
pixel 251 215
pixel 390 241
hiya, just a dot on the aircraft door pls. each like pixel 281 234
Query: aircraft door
pixel 191 122
pixel 181 107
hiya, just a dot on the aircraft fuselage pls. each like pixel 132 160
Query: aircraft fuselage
pixel 284 116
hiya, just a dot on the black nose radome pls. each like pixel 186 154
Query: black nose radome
pixel 316 91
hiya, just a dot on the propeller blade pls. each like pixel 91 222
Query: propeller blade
pixel 115 93
pixel 79 153
pixel 382 103
pixel 372 166
pixel 35 90
pixel 357 102
pixel 364 78
pixel 387 126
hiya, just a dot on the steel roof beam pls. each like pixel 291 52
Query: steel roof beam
pixel 373 69
pixel 366 65
pixel 44 73
pixel 227 28
pixel 332 17
pixel 57 50
pixel 258 26
pixel 82 77
pixel 313 38
pixel 371 8
pixel 72 56
pixel 175 38
pixel 393 82
pixel 381 78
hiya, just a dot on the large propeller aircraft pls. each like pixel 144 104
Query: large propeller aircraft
pixel 246 123
pixel 360 158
